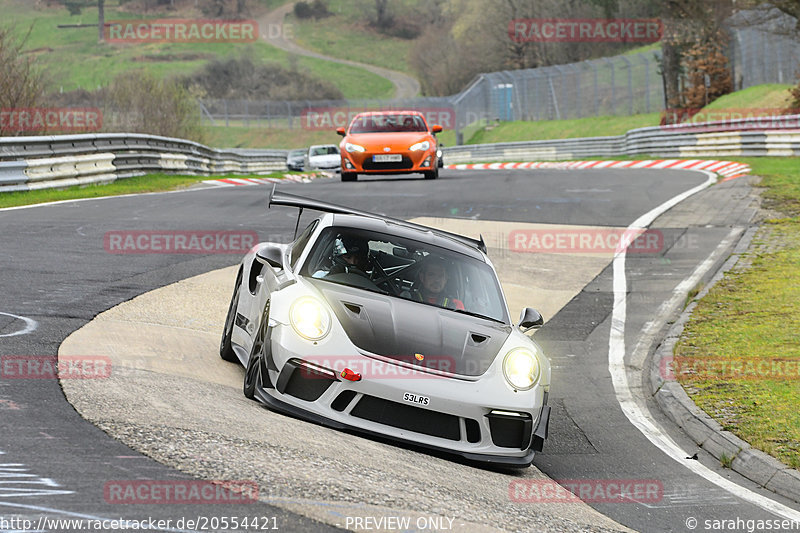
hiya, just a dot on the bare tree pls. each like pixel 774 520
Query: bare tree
pixel 101 20
pixel 21 85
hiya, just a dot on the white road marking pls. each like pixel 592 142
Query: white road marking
pixel 30 325
pixel 636 413
pixel 18 470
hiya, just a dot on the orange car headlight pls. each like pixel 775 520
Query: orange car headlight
pixel 350 147
pixel 422 146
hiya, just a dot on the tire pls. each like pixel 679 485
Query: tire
pixel 225 349
pixel 256 362
pixel 349 176
pixel 431 175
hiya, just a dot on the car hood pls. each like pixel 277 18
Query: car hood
pixel 405 330
pixel 376 142
pixel 330 159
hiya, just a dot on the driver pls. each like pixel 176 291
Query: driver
pixel 352 257
pixel 433 277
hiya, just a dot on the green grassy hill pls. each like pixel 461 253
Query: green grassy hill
pixel 73 59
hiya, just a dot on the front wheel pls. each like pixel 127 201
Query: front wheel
pixel 225 349
pixel 256 363
pixel 432 175
pixel 349 176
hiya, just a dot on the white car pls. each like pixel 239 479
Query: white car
pixel 324 157
pixel 341 327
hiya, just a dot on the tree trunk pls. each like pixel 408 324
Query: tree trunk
pixel 101 20
pixel 671 70
pixel 381 9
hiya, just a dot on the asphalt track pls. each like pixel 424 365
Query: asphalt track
pixel 56 275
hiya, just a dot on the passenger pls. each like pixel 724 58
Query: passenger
pixel 434 277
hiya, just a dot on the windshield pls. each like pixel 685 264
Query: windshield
pixel 386 123
pixel 324 150
pixel 407 269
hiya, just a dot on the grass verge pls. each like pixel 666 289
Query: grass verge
pixel 741 344
pixel 562 129
pixel 139 184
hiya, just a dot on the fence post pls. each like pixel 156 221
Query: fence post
pixel 553 96
pixel 646 82
pixel 630 83
pixel 613 86
pixel 596 89
pixel 578 103
pixel 764 58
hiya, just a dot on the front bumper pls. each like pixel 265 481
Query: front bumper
pixel 490 430
pixel 363 163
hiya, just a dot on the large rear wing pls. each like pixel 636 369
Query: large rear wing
pixel 293 200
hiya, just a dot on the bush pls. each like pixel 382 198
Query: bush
pixel 138 102
pixel 706 61
pixel 317 9
pixel 407 27
pixel 243 78
pixel 794 105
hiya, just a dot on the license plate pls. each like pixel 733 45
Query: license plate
pixel 387 158
pixel 416 399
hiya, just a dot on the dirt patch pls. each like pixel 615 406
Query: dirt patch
pixel 159 58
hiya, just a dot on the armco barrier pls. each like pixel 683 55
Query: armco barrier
pixel 58 161
pixel 28 163
pixel 751 137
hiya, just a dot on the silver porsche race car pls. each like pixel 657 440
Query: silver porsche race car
pixel 389 328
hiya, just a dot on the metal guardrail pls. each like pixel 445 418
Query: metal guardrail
pixel 64 160
pixel 750 137
pixel 60 161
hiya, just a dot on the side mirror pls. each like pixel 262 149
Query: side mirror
pixel 436 128
pixel 340 131
pixel 270 255
pixel 530 318
pixel 401 252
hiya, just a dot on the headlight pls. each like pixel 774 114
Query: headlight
pixel 350 147
pixel 521 368
pixel 424 145
pixel 310 319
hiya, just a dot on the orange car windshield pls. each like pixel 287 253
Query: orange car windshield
pixel 387 123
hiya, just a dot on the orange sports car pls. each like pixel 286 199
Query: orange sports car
pixel 389 142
